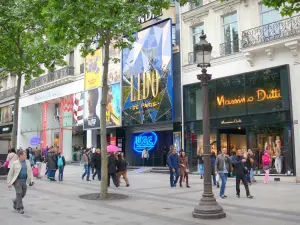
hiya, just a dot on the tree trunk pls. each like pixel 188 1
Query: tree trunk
pixel 16 113
pixel 104 160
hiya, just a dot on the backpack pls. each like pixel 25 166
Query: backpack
pixel 35 172
pixel 60 161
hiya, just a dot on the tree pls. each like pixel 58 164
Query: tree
pixel 23 46
pixel 99 22
pixel 286 7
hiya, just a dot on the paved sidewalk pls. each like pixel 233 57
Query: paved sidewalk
pixel 151 202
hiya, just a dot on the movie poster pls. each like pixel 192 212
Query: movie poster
pixel 114 66
pixel 93 70
pixel 91 116
pixel 148 76
pixel 6 114
pixel 177 141
pixel 113 108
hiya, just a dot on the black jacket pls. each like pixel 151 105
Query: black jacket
pixel 239 166
pixel 121 165
pixel 112 164
pixel 51 161
pixel 96 161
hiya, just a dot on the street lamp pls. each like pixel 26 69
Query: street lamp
pixel 208 208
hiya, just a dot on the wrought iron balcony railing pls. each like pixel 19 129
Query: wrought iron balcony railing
pixel 50 77
pixel 230 47
pixel 8 93
pixel 270 32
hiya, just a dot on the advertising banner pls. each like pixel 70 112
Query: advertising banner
pixel 114 66
pixel 91 115
pixel 177 141
pixel 93 70
pixel 148 76
pixel 6 114
pixel 44 124
pixel 113 108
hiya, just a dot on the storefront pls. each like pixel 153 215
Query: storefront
pixel 53 118
pixel 247 111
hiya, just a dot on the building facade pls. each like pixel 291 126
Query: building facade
pixel 253 94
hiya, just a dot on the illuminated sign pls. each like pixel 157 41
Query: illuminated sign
pixel 231 121
pixel 35 140
pixel 144 140
pixel 261 95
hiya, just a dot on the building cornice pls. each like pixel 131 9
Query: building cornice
pixel 216 62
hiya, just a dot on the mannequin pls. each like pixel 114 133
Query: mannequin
pixel 270 145
pixel 278 157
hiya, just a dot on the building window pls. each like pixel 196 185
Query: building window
pixel 196 33
pixel 71 59
pixel 268 15
pixel 194 5
pixel 173 35
pixel 230 33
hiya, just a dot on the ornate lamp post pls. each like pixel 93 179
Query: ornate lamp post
pixel 208 207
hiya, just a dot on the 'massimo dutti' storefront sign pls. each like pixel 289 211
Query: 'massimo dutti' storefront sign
pixel 261 95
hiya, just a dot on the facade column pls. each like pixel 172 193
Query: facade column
pixel 88 138
pixel 94 143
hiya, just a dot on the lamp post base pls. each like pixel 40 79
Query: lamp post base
pixel 208 209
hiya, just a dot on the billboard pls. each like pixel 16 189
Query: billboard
pixel 6 114
pixel 114 67
pixel 91 115
pixel 148 76
pixel 93 70
pixel 113 107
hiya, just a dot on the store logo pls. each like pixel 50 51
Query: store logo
pixel 261 95
pixel 145 140
pixel 35 140
pixel 149 16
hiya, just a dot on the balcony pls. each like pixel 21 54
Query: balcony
pixel 271 32
pixel 8 93
pixel 52 79
pixel 230 47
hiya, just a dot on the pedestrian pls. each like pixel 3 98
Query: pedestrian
pixel 11 158
pixel 213 170
pixel 112 170
pixel 31 158
pixel 173 164
pixel 249 165
pixel 241 173
pixel 122 170
pixel 97 164
pixel 184 168
pixel 87 165
pixel 200 162
pixel 222 169
pixel 51 164
pixel 266 160
pixel 19 175
pixel 61 163
pixel 145 156
pixel 91 154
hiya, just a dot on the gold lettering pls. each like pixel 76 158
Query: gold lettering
pixel 132 92
pixel 261 95
pixel 155 83
pixel 146 84
pixel 139 87
pixel 220 100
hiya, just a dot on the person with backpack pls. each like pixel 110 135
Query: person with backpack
pixel 61 162
pixel 87 165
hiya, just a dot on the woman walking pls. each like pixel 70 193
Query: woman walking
pixel 266 160
pixel 11 158
pixel 201 162
pixel 184 168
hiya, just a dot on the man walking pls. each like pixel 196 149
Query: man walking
pixel 173 164
pixel 97 164
pixel 87 165
pixel 112 170
pixel 222 168
pixel 240 173
pixel 19 175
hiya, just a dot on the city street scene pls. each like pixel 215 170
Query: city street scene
pixel 150 112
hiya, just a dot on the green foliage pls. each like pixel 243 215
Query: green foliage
pixel 23 46
pixel 286 7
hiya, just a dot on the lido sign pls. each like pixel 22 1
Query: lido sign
pixel 144 140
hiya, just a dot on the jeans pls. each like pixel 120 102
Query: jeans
pixel 98 173
pixel 51 174
pixel 145 161
pixel 201 169
pixel 223 177
pixel 114 178
pixel 252 175
pixel 172 175
pixel 238 181
pixel 86 173
pixel 214 179
pixel 60 173
pixel 248 176
pixel 21 189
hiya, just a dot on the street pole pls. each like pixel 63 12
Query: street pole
pixel 208 208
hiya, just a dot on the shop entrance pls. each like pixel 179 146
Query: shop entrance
pixel 233 139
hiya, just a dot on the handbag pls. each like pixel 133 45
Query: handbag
pixel 6 163
pixel 187 170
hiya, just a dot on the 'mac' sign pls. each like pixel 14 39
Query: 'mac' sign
pixel 145 140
